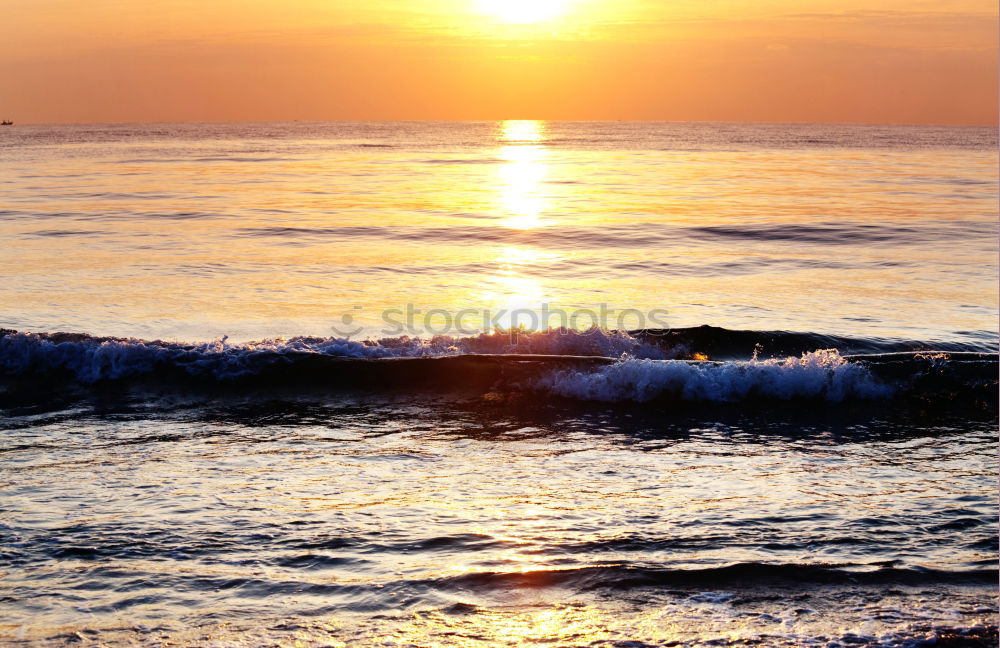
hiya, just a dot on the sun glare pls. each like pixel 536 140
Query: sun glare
pixel 523 12
pixel 522 176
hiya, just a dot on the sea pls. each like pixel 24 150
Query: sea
pixel 604 384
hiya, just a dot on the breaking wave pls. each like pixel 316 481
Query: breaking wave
pixel 823 374
pixel 92 359
pixel 591 365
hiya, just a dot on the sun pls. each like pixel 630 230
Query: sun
pixel 523 12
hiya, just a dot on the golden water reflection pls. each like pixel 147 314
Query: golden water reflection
pixel 522 130
pixel 517 285
pixel 522 201
pixel 522 174
pixel 543 624
pixel 510 297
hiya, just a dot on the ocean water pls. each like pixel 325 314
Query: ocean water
pixel 487 384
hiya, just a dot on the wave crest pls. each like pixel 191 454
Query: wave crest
pixel 587 366
pixel 821 374
pixel 92 359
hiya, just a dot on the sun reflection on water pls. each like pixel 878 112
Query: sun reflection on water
pixel 522 175
pixel 535 621
pixel 522 130
pixel 511 296
pixel 521 200
pixel 517 286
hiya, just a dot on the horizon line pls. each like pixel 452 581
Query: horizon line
pixel 995 124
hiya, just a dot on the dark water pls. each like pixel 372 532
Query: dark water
pixel 817 468
pixel 175 495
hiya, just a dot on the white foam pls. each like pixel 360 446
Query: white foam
pixel 818 374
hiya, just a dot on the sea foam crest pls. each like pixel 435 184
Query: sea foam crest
pixel 91 359
pixel 819 374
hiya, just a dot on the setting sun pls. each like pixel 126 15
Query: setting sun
pixel 523 12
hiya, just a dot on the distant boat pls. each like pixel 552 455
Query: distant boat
pixel 6 123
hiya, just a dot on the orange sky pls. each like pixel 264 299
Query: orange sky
pixel 912 61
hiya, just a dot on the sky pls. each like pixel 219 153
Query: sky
pixel 908 61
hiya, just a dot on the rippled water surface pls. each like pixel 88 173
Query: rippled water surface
pixel 193 232
pixel 799 450
pixel 493 522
